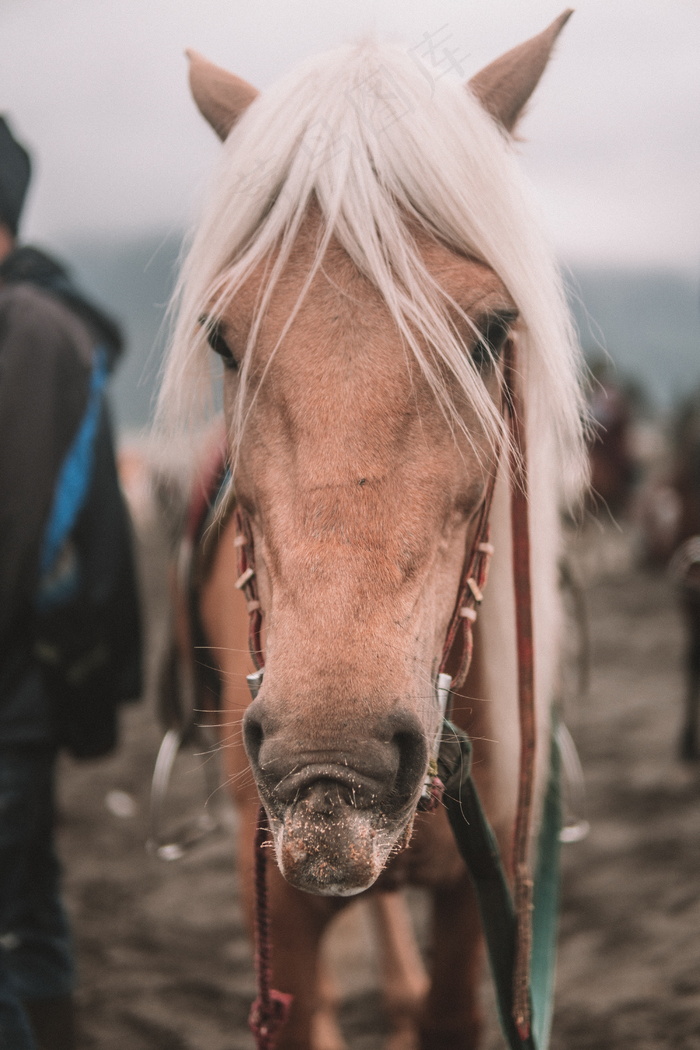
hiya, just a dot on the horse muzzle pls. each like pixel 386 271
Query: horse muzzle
pixel 334 854
pixel 337 808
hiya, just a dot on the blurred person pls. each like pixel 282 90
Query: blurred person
pixel 685 471
pixel 613 468
pixel 70 640
pixel 684 566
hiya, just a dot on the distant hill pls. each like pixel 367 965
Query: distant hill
pixel 134 281
pixel 648 321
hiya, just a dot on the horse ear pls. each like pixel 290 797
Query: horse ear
pixel 221 97
pixel 505 85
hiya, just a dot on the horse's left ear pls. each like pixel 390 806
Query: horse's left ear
pixel 221 97
pixel 505 85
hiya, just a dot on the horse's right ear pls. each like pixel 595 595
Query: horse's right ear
pixel 221 97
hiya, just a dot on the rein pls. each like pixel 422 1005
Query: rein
pixel 270 1009
pixel 520 526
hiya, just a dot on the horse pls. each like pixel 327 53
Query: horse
pixel 398 371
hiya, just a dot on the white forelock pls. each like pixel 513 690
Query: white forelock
pixel 372 137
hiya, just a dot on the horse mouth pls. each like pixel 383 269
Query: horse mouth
pixel 338 852
pixel 333 831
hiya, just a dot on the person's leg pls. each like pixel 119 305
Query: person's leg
pixel 15 1028
pixel 37 966
pixel 52 1022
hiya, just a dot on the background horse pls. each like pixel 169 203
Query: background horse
pixel 365 266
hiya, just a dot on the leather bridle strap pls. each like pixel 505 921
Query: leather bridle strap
pixel 470 592
pixel 247 583
pixel 476 567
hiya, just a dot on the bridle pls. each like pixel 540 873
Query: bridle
pixel 270 1008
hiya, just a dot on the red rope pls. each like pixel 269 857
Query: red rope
pixel 270 1010
pixel 523 890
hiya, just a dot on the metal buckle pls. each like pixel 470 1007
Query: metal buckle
pixel 442 693
pixel 254 681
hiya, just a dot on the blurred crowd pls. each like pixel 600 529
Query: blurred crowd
pixel 645 475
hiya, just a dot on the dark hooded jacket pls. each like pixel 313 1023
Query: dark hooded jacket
pixel 49 334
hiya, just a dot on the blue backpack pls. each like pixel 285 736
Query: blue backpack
pixel 88 626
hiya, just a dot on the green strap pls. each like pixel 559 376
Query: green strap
pixel 477 844
pixel 544 926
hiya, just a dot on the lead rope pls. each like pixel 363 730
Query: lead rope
pixel 523 888
pixel 271 1007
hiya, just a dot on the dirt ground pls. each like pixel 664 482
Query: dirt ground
pixel 163 958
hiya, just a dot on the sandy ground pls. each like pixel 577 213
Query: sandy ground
pixel 163 957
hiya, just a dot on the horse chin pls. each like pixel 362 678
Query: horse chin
pixel 336 854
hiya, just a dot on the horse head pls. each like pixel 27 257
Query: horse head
pixel 363 343
pixel 361 501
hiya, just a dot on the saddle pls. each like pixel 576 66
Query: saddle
pixel 186 685
pixel 189 688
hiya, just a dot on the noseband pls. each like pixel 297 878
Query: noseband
pixel 269 1009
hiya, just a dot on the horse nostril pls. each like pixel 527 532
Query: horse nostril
pixel 253 735
pixel 389 764
pixel 411 745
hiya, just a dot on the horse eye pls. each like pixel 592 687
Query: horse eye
pixel 494 336
pixel 217 342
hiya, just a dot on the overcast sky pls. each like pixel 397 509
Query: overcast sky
pixel 98 89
